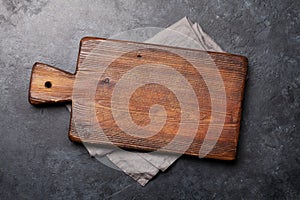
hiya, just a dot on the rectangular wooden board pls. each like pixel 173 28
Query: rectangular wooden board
pixel 101 68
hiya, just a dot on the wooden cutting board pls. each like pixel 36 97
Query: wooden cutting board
pixel 118 83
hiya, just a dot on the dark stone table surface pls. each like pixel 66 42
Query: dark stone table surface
pixel 37 160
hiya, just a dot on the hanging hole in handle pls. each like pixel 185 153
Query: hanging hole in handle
pixel 139 56
pixel 48 84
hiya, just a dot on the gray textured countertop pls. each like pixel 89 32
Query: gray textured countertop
pixel 37 160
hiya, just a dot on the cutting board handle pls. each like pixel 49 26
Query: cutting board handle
pixel 50 85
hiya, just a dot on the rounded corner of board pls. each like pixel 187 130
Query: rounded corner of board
pixel 89 38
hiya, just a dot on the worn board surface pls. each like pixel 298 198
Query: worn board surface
pixel 91 92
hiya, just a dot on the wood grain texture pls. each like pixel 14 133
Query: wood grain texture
pixel 125 56
pixel 50 85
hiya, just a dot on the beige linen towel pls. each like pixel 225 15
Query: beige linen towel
pixel 142 167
